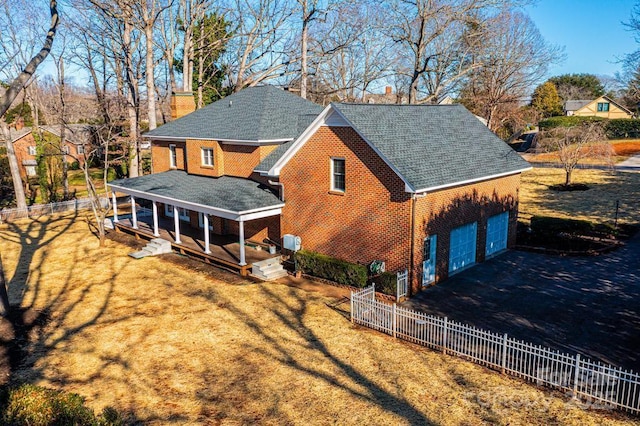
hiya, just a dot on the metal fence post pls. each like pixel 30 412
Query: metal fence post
pixel 444 336
pixel 575 376
pixel 504 353
pixel 394 322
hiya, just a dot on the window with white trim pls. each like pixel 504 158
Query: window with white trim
pixel 173 158
pixel 183 214
pixel 65 149
pixel 31 150
pixel 201 221
pixel 338 182
pixel 80 149
pixel 30 170
pixel 603 106
pixel 207 156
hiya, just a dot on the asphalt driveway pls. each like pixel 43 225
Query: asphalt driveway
pixel 589 305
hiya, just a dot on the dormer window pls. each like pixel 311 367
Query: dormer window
pixel 603 106
pixel 207 157
pixel 338 183
pixel 32 150
pixel 173 159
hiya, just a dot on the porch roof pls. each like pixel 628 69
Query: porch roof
pixel 225 196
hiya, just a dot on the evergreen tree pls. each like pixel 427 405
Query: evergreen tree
pixel 546 100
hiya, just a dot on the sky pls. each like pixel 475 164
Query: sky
pixel 590 30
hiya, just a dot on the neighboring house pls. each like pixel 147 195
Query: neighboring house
pixel 421 187
pixel 387 98
pixel 77 142
pixel 602 107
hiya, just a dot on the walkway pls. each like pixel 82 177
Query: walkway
pixel 589 305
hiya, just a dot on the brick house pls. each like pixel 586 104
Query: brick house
pixel 426 188
pixel 77 142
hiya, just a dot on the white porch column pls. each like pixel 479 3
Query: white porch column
pixel 206 233
pixel 115 207
pixel 155 219
pixel 241 232
pixel 176 223
pixel 134 214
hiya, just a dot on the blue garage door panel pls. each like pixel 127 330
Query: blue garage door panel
pixel 462 247
pixel 497 230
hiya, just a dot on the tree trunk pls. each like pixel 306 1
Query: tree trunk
pixel 21 201
pixel 151 89
pixel 65 167
pixel 4 296
pixel 20 82
pixel 567 180
pixel 132 101
pixel 201 66
pixel 303 58
pixel 187 60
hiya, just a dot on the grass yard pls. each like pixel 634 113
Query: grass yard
pixel 597 204
pixel 170 345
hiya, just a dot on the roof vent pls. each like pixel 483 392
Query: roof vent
pixel 230 103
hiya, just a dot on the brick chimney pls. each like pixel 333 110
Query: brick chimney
pixel 182 103
pixel 388 91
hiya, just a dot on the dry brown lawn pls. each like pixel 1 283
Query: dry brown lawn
pixel 622 150
pixel 171 345
pixel 597 204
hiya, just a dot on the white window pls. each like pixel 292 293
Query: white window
pixel 338 182
pixel 32 150
pixel 31 170
pixel 497 230
pixel 207 156
pixel 462 247
pixel 80 149
pixel 65 149
pixel 173 159
pixel 201 221
pixel 183 214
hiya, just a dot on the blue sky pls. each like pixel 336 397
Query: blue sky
pixel 590 30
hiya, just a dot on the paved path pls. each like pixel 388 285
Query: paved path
pixel 631 162
pixel 589 305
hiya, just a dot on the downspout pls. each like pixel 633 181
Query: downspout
pixel 281 185
pixel 412 244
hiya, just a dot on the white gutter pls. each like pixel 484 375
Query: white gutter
pixel 465 182
pixel 230 141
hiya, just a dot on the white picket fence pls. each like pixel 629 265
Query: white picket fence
pixel 7 215
pixel 602 385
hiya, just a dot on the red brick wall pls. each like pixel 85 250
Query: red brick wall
pixel 160 156
pixel 369 221
pixel 240 160
pixel 441 211
pixel 22 151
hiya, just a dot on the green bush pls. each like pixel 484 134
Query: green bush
pixel 566 121
pixel 74 166
pixel 330 268
pixel 547 226
pixel 622 128
pixel 37 406
pixel 386 283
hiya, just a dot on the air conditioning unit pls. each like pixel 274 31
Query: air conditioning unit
pixel 291 242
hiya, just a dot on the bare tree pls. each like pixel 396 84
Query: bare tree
pixel 514 58
pixel 432 33
pixel 6 98
pixel 574 144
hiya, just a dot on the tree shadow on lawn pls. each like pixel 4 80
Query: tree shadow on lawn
pixel 278 347
pixel 44 315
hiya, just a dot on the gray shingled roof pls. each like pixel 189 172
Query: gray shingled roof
pixel 228 193
pixel 75 133
pixel 574 105
pixel 252 114
pixel 433 145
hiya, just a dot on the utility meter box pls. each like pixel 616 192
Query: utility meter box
pixel 291 242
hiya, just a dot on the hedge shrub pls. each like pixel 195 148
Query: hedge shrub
pixel 547 226
pixel 623 128
pixel 38 406
pixel 566 121
pixel 330 268
pixel 386 283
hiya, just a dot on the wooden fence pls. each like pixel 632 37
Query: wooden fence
pixel 602 385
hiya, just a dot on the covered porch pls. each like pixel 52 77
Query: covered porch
pixel 188 210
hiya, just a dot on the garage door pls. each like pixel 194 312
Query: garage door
pixel 462 247
pixel 497 229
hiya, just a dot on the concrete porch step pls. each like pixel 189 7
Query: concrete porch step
pixel 269 269
pixel 153 248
